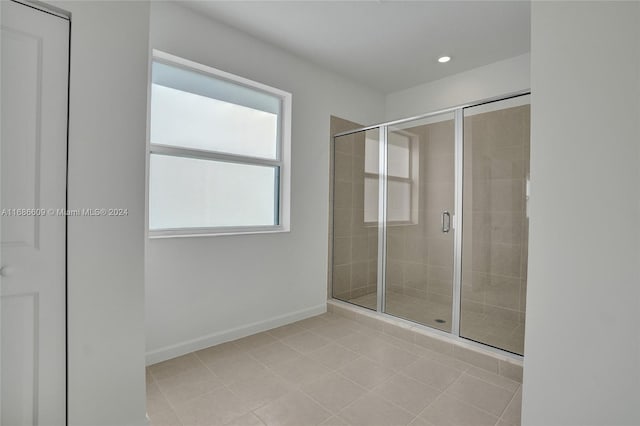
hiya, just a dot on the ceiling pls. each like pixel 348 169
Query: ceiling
pixel 386 45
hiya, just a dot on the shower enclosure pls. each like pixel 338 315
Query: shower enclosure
pixel 430 219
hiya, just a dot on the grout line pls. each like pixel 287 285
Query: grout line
pixel 509 403
pixel 493 384
pixel 256 416
pixel 459 378
pixel 253 409
pixel 252 356
pixel 404 409
pixel 429 405
pixel 445 393
pixel 394 404
pixel 371 391
pixel 173 406
pixel 457 398
pixel 448 392
pixel 334 413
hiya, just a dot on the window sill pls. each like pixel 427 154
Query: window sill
pixel 215 232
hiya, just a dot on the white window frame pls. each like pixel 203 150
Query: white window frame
pixel 282 162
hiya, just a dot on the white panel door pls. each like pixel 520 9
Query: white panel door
pixel 34 79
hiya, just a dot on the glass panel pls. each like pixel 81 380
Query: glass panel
pixel 355 218
pixel 195 193
pixel 399 201
pixel 398 161
pixel 420 257
pixel 193 110
pixel 371 189
pixel 371 155
pixel 495 238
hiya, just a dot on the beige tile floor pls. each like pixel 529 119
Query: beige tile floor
pixel 326 370
pixel 501 333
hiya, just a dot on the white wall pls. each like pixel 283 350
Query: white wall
pixel 108 92
pixel 582 364
pixel 499 78
pixel 200 291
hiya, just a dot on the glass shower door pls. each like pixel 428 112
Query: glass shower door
pixel 495 238
pixel 355 219
pixel 420 188
pixel 430 220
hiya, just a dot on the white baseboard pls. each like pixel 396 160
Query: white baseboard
pixel 182 348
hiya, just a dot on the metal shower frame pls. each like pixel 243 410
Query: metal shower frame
pixel 457 223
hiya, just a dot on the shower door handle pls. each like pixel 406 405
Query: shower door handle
pixel 446 221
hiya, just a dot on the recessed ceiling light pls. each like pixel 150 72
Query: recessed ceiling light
pixel 444 59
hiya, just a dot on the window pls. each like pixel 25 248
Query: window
pixel 219 152
pixel 402 194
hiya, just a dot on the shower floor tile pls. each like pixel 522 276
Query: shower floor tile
pixel 504 333
pixel 303 388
